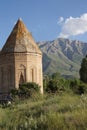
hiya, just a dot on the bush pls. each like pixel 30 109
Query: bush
pixel 54 86
pixel 82 88
pixel 25 90
pixel 30 85
pixel 56 75
pixel 78 87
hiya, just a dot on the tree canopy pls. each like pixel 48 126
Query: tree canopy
pixel 83 70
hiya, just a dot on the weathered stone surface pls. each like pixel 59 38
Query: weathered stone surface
pixel 20 60
pixel 20 40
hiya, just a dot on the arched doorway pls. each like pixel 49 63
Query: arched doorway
pixel 21 80
pixel 22 74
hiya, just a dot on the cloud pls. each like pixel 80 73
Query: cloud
pixel 60 20
pixel 73 26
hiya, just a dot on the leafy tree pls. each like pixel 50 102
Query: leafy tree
pixel 52 86
pixel 82 88
pixel 78 86
pixel 56 76
pixel 83 70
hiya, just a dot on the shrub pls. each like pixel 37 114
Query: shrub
pixel 82 88
pixel 30 85
pixel 54 86
pixel 78 87
pixel 14 92
pixel 56 75
pixel 25 90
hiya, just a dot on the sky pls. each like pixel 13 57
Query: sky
pixel 45 19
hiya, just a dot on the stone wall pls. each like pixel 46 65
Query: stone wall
pixel 19 68
pixel 6 72
pixel 28 68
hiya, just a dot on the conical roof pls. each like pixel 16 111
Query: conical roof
pixel 20 40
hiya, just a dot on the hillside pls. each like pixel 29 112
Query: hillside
pixel 63 55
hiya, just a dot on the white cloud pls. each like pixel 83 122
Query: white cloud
pixel 74 26
pixel 60 20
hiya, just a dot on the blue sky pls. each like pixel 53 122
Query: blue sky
pixel 46 19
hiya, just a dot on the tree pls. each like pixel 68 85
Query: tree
pixel 83 70
pixel 56 76
pixel 53 86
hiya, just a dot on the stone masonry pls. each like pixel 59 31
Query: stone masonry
pixel 20 60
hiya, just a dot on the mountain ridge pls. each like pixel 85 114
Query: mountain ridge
pixel 63 55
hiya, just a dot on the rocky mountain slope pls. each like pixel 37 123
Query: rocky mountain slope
pixel 63 55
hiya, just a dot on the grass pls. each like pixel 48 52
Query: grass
pixel 49 112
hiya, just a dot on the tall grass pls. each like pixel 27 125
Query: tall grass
pixel 48 112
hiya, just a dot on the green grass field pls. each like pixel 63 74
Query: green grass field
pixel 49 112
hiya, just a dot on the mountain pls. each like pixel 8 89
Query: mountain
pixel 63 56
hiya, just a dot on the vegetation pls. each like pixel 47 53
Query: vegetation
pixel 62 107
pixel 25 90
pixel 83 70
pixel 49 112
pixel 57 84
